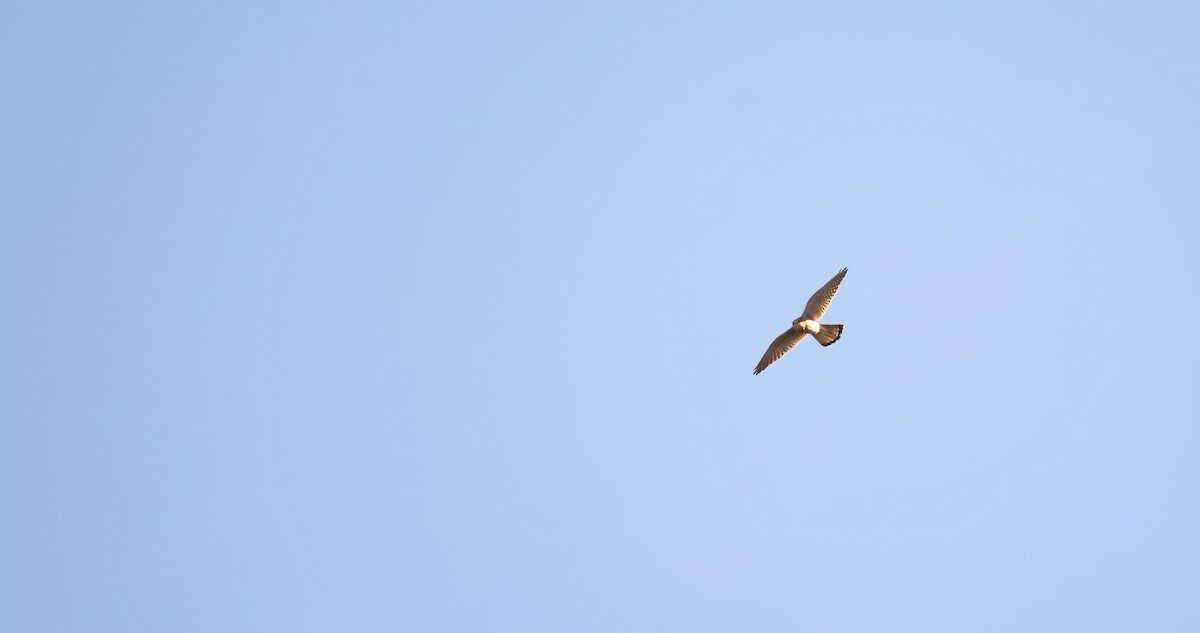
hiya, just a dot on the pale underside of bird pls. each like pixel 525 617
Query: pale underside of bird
pixel 825 333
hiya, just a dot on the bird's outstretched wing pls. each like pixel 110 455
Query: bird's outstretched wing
pixel 780 346
pixel 821 298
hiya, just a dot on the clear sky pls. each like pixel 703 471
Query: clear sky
pixel 425 317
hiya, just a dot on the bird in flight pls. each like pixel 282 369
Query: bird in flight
pixel 807 324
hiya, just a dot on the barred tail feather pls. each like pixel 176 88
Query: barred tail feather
pixel 828 334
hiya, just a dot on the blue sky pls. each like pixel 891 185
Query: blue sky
pixel 441 317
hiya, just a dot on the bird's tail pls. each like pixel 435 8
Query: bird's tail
pixel 828 334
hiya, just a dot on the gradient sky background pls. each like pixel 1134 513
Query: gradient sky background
pixel 441 317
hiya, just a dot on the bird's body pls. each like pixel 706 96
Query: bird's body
pixel 810 326
pixel 806 324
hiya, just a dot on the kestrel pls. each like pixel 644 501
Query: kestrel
pixel 807 324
